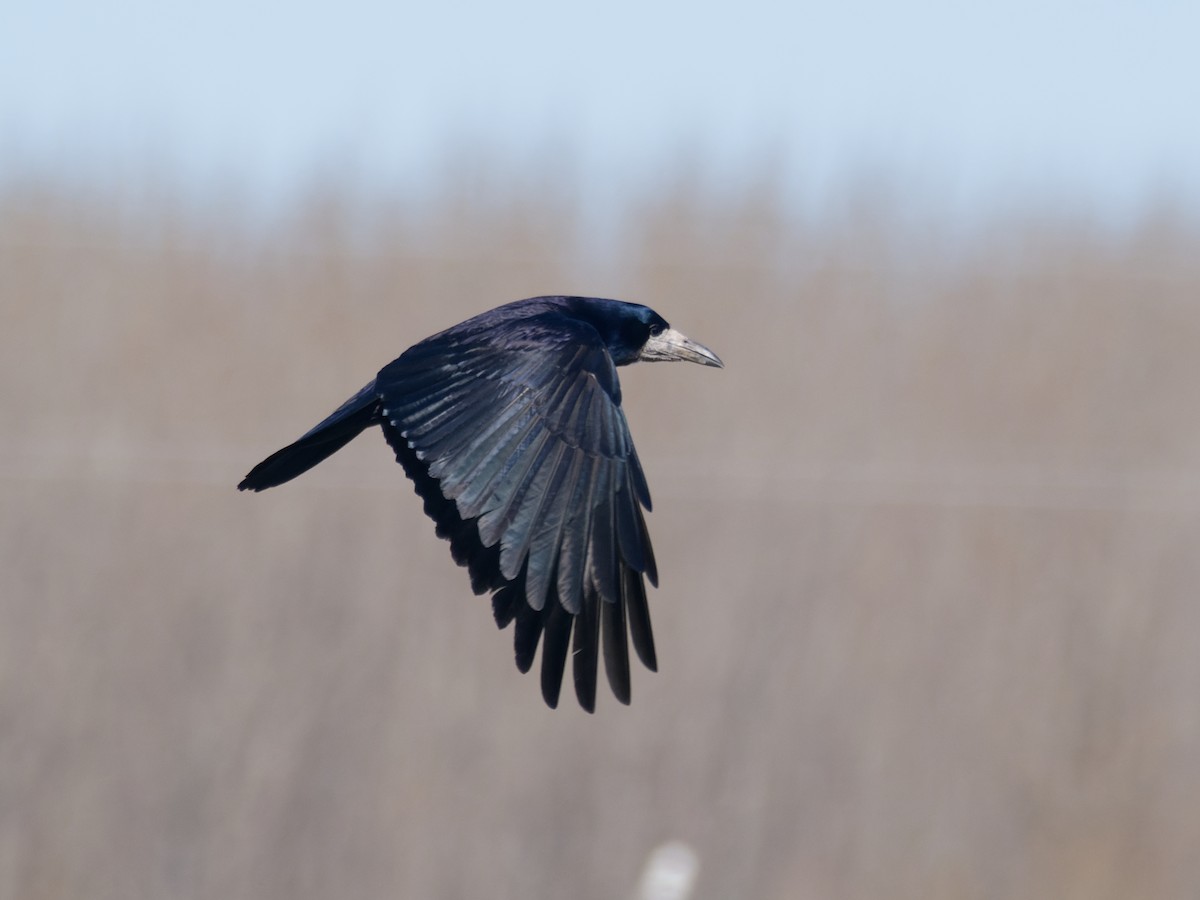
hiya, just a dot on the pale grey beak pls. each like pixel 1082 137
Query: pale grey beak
pixel 670 345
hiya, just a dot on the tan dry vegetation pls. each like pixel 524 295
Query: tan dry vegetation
pixel 928 624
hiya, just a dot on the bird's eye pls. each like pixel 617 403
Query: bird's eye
pixel 655 330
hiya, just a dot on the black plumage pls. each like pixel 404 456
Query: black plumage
pixel 510 426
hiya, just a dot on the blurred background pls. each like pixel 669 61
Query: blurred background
pixel 928 618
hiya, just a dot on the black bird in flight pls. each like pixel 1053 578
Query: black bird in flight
pixel 510 426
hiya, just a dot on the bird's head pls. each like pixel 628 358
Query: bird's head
pixel 636 333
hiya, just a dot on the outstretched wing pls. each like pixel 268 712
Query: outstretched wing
pixel 516 441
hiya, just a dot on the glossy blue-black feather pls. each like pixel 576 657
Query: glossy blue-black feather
pixel 511 428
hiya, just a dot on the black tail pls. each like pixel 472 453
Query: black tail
pixel 346 423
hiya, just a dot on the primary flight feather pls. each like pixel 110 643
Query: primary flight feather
pixel 510 426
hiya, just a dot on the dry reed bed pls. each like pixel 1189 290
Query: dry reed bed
pixel 928 619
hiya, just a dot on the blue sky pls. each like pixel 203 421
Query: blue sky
pixel 967 101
